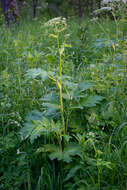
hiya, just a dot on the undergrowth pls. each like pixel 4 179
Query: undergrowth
pixel 63 105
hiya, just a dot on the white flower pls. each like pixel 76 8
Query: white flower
pixel 55 21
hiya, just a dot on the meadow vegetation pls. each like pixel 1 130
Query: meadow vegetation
pixel 63 105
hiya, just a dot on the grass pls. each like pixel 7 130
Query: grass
pixel 75 78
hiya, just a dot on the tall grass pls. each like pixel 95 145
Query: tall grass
pixel 87 61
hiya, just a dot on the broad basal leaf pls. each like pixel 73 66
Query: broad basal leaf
pixel 55 152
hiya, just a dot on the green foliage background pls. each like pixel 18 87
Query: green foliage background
pixel 87 60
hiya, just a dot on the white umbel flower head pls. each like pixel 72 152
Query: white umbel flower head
pixel 58 22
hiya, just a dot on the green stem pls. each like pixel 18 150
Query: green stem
pixel 99 177
pixel 60 86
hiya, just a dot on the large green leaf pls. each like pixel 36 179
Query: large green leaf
pixel 36 72
pixel 72 172
pixel 37 128
pixel 51 105
pixel 34 115
pixel 55 151
pixel 91 101
pixel 81 87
